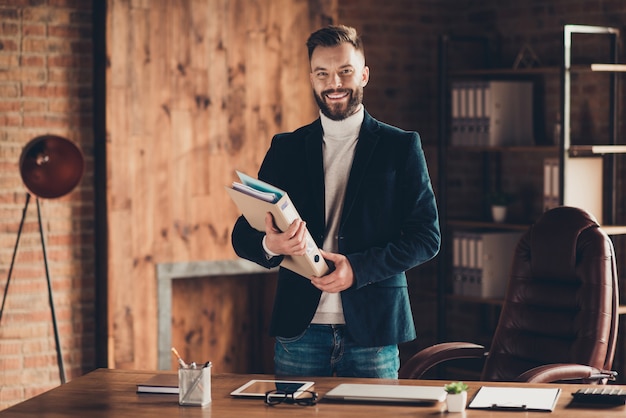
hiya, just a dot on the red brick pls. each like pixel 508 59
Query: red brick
pixel 9 28
pixel 66 32
pixel 9 90
pixel 10 120
pixel 34 29
pixel 7 61
pixel 8 45
pixel 10 363
pixel 46 14
pixel 35 45
pixel 32 61
pixel 9 106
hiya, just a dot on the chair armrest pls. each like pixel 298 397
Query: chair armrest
pixel 425 359
pixel 565 371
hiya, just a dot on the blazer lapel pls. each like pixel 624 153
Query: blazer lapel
pixel 315 168
pixel 362 156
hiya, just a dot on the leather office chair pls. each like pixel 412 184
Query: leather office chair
pixel 559 318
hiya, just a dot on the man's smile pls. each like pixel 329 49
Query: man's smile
pixel 337 95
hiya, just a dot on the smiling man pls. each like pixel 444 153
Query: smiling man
pixel 363 191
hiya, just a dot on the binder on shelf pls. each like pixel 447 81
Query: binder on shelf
pixel 492 113
pixel 457 273
pixel 474 274
pixel 482 262
pixel 458 109
pixel 550 183
pixel 497 256
pixel 584 185
pixel 255 198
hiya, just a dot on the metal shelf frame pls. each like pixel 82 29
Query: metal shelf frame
pixel 567 151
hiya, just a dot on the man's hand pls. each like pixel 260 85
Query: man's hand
pixel 290 242
pixel 339 279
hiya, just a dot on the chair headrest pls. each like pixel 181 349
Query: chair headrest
pixel 553 239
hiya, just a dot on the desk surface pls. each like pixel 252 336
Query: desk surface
pixel 111 393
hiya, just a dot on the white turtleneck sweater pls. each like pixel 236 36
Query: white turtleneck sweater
pixel 339 142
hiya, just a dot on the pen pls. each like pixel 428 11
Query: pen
pixel 508 407
pixel 181 362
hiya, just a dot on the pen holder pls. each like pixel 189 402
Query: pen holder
pixel 194 385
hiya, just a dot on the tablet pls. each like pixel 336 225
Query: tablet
pixel 258 388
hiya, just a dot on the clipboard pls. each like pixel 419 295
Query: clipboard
pixel 515 398
pixel 255 198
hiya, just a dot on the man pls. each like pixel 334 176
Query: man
pixel 363 191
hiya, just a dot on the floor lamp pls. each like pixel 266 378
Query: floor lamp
pixel 50 167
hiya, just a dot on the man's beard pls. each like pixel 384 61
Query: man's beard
pixel 337 111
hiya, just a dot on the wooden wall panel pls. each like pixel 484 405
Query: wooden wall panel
pixel 228 323
pixel 195 89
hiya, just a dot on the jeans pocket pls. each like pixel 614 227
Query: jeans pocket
pixel 284 341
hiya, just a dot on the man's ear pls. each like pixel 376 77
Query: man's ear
pixel 365 76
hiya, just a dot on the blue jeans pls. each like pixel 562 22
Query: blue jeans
pixel 326 350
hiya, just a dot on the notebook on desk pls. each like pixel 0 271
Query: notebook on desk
pixel 371 392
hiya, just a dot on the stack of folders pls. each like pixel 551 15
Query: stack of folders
pixel 255 198
pixel 492 113
pixel 482 262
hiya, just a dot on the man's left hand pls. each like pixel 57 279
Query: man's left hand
pixel 339 279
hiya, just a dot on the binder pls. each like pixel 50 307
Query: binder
pixel 255 198
pixel 508 107
pixel 496 256
pixel 550 183
pixel 583 187
pixel 482 261
pixel 457 267
pixel 491 113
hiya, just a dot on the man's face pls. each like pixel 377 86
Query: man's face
pixel 338 75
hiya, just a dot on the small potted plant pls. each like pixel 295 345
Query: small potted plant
pixel 499 201
pixel 457 396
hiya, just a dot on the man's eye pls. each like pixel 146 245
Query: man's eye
pixel 321 75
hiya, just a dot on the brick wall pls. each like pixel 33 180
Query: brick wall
pixel 45 88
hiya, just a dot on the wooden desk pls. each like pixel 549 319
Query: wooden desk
pixel 111 393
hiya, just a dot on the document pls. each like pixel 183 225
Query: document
pixel 515 398
pixel 255 198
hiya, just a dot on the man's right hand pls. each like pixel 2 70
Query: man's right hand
pixel 290 242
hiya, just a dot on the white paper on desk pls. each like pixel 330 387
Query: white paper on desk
pixel 538 399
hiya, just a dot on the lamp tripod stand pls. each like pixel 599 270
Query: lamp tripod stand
pixel 50 299
pixel 50 167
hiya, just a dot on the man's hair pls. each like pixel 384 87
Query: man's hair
pixel 334 35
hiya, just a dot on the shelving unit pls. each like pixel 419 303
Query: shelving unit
pixel 608 151
pixel 566 152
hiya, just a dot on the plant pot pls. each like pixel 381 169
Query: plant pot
pixel 498 213
pixel 456 401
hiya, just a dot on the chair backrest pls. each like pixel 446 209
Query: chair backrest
pixel 562 298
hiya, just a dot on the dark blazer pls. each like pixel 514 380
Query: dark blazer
pixel 389 224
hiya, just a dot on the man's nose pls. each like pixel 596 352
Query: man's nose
pixel 335 80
